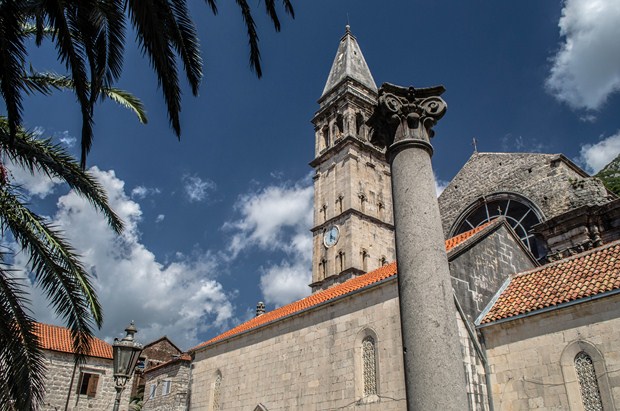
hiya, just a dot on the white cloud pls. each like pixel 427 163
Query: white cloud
pixel 140 192
pixel 180 299
pixel 65 138
pixel 197 189
pixel 586 69
pixel 286 282
pixel 33 184
pixel 160 218
pixel 278 218
pixel 440 185
pixel 596 156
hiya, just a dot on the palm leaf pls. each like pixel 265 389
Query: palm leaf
pixel 45 82
pixel 40 155
pixel 152 20
pixel 56 269
pixel 21 360
pixel 12 57
pixel 185 41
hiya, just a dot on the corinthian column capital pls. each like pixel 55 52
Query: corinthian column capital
pixel 405 116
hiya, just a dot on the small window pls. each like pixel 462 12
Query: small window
pixel 165 390
pixel 152 391
pixel 89 384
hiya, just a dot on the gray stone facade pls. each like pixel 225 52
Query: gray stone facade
pixel 478 269
pixel 551 182
pixel 532 358
pixel 167 386
pixel 312 360
pixel 64 381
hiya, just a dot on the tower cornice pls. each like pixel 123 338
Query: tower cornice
pixel 341 144
pixel 347 214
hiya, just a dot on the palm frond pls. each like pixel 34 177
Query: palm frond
pixel 128 101
pixel 56 269
pixel 45 82
pixel 12 57
pixel 212 5
pixel 185 41
pixel 36 154
pixel 21 360
pixel 151 20
pixel 250 26
pixel 113 12
pixel 71 52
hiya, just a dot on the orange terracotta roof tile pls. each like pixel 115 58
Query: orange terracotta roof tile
pixel 55 338
pixel 354 284
pixel 584 275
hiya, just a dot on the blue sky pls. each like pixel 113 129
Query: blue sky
pixel 220 220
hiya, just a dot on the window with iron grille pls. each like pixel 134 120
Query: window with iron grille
pixel 588 384
pixel 370 366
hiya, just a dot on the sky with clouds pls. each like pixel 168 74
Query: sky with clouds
pixel 221 219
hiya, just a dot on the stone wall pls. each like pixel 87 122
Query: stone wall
pixel 313 361
pixel 549 181
pixel 480 269
pixel 352 190
pixel 60 368
pixel 177 373
pixel 157 352
pixel 532 358
pixel 309 362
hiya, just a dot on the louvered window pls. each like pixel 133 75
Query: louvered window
pixel 370 366
pixel 588 384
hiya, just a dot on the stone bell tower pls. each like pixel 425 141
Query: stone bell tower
pixel 353 229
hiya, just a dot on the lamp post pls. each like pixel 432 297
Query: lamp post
pixel 125 355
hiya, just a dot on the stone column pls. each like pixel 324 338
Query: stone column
pixel 434 371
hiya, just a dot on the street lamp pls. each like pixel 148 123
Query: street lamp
pixel 125 355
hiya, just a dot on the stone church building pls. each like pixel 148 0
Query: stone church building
pixel 534 254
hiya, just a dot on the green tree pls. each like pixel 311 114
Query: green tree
pixel 610 175
pixel 89 36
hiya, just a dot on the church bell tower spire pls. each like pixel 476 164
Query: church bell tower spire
pixel 353 230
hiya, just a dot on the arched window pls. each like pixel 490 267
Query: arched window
pixel 519 212
pixel 369 365
pixel 365 257
pixel 217 388
pixel 585 377
pixel 588 384
pixel 325 133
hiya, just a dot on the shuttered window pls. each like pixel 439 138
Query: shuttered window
pixel 88 385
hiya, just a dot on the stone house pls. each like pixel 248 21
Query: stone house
pixel 87 386
pixel 552 335
pixel 167 385
pixel 154 353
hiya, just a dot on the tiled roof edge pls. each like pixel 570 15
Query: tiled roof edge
pixel 305 310
pixel 469 242
pixel 551 308
pixel 183 357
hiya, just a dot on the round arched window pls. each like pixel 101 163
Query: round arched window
pixel 518 212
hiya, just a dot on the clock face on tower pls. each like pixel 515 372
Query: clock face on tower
pixel 330 238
